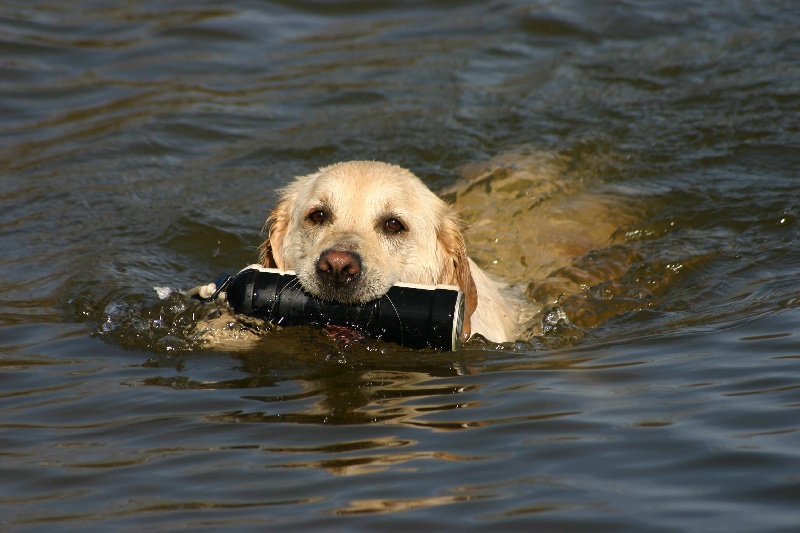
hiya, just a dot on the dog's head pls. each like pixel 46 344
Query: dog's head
pixel 352 230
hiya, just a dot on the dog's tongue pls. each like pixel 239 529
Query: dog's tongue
pixel 343 334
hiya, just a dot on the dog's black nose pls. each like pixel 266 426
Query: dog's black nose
pixel 336 267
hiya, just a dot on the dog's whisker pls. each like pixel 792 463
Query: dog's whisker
pixel 292 283
pixel 397 314
pixel 319 308
pixel 368 308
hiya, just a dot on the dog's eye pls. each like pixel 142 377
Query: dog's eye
pixel 318 217
pixel 393 226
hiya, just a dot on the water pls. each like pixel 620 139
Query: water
pixel 141 145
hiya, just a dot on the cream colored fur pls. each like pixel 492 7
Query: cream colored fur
pixel 358 198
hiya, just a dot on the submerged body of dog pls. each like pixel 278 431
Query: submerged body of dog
pixel 352 230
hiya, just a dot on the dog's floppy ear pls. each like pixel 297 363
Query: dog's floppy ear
pixel 455 268
pixel 270 254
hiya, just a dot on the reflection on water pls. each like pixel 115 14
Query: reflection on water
pixel 630 168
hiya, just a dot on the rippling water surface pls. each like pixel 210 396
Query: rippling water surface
pixel 142 144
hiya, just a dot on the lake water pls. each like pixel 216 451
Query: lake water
pixel 142 144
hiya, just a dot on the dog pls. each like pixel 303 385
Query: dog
pixel 352 230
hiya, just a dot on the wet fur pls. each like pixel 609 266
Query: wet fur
pixel 359 196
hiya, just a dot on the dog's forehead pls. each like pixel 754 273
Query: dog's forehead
pixel 367 191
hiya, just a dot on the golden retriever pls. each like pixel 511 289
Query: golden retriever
pixel 352 230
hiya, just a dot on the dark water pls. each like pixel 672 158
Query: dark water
pixel 141 144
